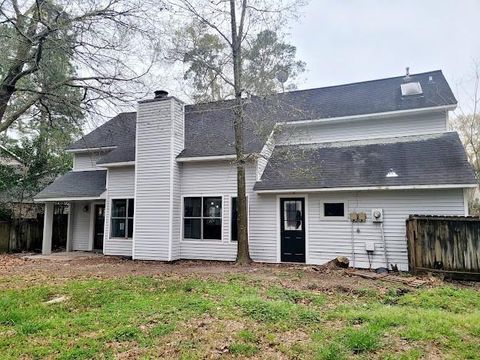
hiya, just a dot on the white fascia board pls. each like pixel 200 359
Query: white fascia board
pixel 87 150
pixel 68 199
pixel 372 116
pixel 117 164
pixel 207 158
pixel 370 188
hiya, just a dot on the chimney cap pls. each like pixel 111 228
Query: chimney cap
pixel 160 94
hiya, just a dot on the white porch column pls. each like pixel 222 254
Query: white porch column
pixel 71 207
pixel 47 229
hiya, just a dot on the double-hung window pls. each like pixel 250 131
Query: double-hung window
pixel 202 218
pixel 122 218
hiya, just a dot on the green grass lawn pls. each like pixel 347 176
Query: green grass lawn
pixel 234 316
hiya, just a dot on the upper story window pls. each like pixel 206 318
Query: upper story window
pixel 122 218
pixel 202 218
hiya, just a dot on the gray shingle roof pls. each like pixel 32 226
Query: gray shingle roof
pixel 76 184
pixel 436 159
pixel 123 153
pixel 209 126
pixel 117 131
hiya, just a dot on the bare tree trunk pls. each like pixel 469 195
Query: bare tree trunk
pixel 243 253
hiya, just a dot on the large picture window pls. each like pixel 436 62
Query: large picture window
pixel 122 218
pixel 202 218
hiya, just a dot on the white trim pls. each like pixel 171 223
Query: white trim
pixel 110 202
pixel 333 218
pixel 117 164
pixel 372 116
pixel 172 159
pixel 266 152
pixel 86 150
pixel 465 201
pixel 206 158
pixel 135 186
pixel 207 241
pixel 68 199
pixel 306 222
pixel 366 188
pixel 89 169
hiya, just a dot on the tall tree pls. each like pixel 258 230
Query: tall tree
pixel 100 36
pixel 236 23
pixel 265 57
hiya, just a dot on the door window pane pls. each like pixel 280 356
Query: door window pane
pixel 212 229
pixel 192 207
pixel 212 207
pixel 292 212
pixel 333 209
pixel 119 208
pixel 118 228
pixel 192 228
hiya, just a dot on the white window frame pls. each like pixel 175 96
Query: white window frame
pixel 201 240
pixel 126 218
pixel 334 201
pixel 230 219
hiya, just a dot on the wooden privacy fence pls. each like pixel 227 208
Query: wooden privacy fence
pixel 26 234
pixel 447 244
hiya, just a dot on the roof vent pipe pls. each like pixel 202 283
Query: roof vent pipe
pixel 407 75
pixel 160 94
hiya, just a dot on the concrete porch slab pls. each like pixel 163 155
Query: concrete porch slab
pixel 64 256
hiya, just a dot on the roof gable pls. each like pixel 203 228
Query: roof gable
pixel 209 126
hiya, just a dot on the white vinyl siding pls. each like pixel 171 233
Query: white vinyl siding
pixel 329 238
pixel 363 129
pixel 214 178
pixel 178 146
pixel 121 185
pixel 81 226
pixel 86 161
pixel 157 196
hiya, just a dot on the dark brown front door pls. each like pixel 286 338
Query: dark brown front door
pixel 292 218
pixel 99 226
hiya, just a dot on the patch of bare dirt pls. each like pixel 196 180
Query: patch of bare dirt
pixel 9 262
pixel 98 266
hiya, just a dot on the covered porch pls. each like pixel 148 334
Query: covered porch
pixel 84 192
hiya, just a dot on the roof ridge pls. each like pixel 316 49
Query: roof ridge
pixel 321 88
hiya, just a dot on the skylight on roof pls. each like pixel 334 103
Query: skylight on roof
pixel 391 173
pixel 411 88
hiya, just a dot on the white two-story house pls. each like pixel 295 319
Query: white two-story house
pixel 332 171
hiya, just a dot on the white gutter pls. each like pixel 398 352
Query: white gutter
pixel 395 187
pixel 372 116
pixel 117 164
pixel 206 158
pixel 86 150
pixel 68 199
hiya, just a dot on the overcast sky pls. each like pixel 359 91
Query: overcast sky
pixel 346 41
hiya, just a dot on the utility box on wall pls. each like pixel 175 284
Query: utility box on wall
pixel 377 215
